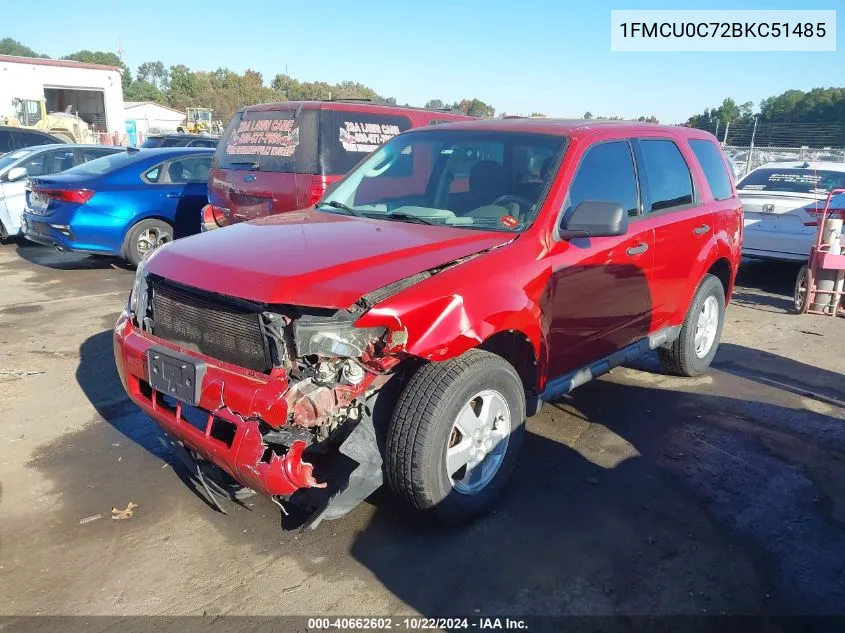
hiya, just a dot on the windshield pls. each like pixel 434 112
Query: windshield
pixel 793 180
pixel 100 166
pixel 12 157
pixel 463 178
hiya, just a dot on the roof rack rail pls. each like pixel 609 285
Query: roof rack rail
pixel 365 99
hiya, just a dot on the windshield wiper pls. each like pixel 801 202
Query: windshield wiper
pixel 401 215
pixel 334 204
pixel 250 164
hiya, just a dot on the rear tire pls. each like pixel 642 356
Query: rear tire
pixel 4 234
pixel 692 352
pixel 145 237
pixel 469 410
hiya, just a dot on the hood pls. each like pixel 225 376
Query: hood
pixel 312 258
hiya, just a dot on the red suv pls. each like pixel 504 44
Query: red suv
pixel 405 326
pixel 278 157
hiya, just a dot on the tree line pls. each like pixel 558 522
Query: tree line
pixel 226 91
pixel 815 118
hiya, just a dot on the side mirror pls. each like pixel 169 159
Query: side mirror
pixel 594 218
pixel 16 173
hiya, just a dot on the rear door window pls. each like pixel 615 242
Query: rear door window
pixel 668 176
pixel 57 160
pixel 348 136
pixel 270 141
pixel 710 158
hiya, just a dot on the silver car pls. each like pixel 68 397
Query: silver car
pixel 782 203
pixel 39 160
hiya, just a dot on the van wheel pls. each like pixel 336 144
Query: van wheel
pixel 694 349
pixel 455 435
pixel 4 234
pixel 145 237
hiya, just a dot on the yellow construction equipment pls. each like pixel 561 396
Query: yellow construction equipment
pixel 200 121
pixel 32 113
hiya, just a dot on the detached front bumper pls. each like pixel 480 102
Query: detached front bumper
pixel 232 400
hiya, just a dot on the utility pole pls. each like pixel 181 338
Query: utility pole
pixel 717 128
pixel 751 147
pixel 727 127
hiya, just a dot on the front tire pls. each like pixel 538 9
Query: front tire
pixel 145 237
pixel 455 436
pixel 693 351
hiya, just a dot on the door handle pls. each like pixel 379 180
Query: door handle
pixel 639 249
pixel 175 195
pixel 701 230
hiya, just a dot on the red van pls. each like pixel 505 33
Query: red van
pixel 277 157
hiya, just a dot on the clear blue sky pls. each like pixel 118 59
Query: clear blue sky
pixel 517 55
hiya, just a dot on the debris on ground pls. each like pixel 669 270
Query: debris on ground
pixel 292 589
pixel 88 519
pixel 119 515
pixel 20 374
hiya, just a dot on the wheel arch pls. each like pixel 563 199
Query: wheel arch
pixel 721 269
pixel 516 348
pixel 154 215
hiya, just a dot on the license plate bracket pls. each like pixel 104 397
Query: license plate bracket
pixel 175 374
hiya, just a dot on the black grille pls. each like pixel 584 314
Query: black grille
pixel 210 325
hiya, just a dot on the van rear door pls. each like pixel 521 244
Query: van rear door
pixel 264 163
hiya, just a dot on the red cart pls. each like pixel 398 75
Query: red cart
pixel 807 291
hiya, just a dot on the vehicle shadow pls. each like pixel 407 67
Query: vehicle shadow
pixel 782 373
pixel 98 379
pixel 766 285
pixel 51 258
pixel 635 500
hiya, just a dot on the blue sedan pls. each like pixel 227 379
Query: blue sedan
pixel 126 204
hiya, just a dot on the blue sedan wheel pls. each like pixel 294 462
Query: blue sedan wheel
pixel 144 238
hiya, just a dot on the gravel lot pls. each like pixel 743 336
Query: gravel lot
pixel 638 494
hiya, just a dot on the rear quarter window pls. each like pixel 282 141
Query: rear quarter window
pixel 280 141
pixel 348 136
pixel 715 171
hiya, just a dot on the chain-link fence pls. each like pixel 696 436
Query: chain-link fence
pixel 746 158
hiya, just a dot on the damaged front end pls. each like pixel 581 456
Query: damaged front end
pixel 282 399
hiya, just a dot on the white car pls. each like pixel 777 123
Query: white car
pixel 39 160
pixel 782 204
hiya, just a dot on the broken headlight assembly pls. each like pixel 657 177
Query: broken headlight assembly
pixel 333 337
pixel 138 296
